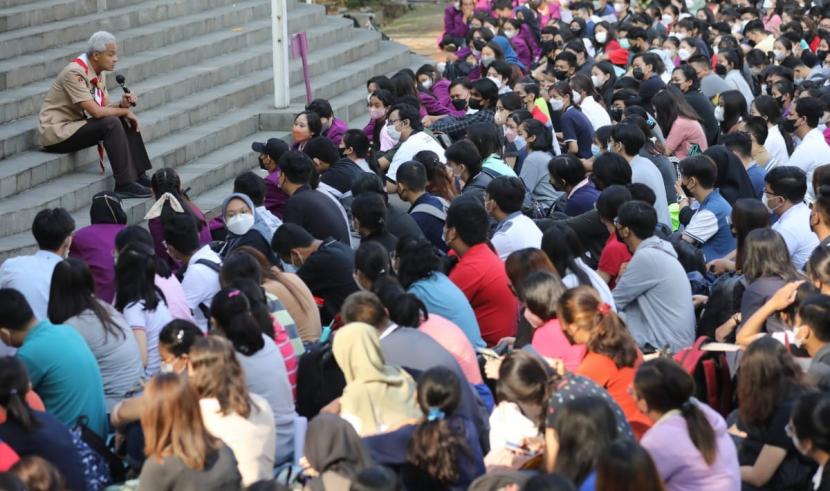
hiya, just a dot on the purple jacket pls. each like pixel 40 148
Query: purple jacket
pixel 275 197
pixel 522 51
pixel 94 245
pixel 431 103
pixel 336 130
pixel 454 24
pixel 527 36
pixel 441 89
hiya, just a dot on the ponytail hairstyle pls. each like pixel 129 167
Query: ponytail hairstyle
pixel 405 309
pixel 664 386
pixel 135 278
pixel 216 373
pixel 167 180
pixel 563 248
pixel 232 316
pixel 372 260
pixel 524 380
pixel 608 334
pixel 259 304
pixel 437 443
pixel 439 182
pixel 540 292
pixel 178 336
pixel 14 384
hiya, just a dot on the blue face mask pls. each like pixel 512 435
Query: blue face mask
pixel 624 44
pixel 520 143
pixel 595 150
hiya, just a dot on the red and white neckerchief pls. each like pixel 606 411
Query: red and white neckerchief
pixel 97 96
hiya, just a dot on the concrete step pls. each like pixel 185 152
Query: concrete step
pixel 33 167
pixel 207 156
pixel 118 17
pixel 24 101
pixel 21 135
pixel 47 63
pixel 74 190
pixel 39 13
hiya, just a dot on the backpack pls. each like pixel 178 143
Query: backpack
pixel 101 466
pixel 710 370
pixel 319 379
pixel 725 295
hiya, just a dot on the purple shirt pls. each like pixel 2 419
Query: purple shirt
pixel 454 24
pixel 431 103
pixel 275 197
pixel 336 130
pixel 157 232
pixel 94 245
pixel 680 463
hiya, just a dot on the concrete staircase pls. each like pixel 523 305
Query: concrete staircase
pixel 202 69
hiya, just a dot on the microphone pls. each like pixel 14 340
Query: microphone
pixel 122 82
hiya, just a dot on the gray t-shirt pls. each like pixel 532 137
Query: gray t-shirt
pixel 644 171
pixel 219 474
pixel 712 85
pixel 534 173
pixel 117 354
pixel 267 377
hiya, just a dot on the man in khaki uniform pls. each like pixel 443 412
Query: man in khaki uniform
pixel 76 114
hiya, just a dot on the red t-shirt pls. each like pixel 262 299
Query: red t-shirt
pixel 8 457
pixel 481 276
pixel 283 342
pixel 614 254
pixel 602 370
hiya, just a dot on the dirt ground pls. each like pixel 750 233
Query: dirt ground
pixel 420 29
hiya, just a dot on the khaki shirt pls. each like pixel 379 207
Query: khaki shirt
pixel 61 114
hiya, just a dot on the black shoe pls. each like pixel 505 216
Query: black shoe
pixel 133 190
pixel 143 180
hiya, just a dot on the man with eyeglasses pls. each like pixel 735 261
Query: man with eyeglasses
pixel 405 123
pixel 784 190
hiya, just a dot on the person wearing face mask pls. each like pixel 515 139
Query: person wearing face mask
pixel 483 97
pixel 647 67
pixel 244 226
pixel 376 129
pixel 685 79
pixel 820 215
pixel 729 66
pixel 333 128
pixel 565 65
pixel 510 29
pixel 567 175
pixel 501 74
pixel 405 124
pixel 802 122
pixel 32 275
pixel 534 170
pixel 587 97
pixel 653 292
pixel 309 207
pixel 577 132
pixel 709 226
pixel 784 191
pixel 530 93
pixel 465 166
pixel 514 231
pixel 810 435
pixel 325 266
pixel 430 84
pixel 756 32
pixel 710 83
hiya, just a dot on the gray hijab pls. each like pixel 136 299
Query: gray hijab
pixel 259 223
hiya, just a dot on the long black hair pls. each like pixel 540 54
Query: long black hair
pixel 416 260
pixel 14 384
pixel 232 311
pixel 405 309
pixel 135 276
pixel 563 248
pixel 72 292
pixel 584 426
pixel 135 234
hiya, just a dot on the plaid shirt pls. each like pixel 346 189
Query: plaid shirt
pixel 456 127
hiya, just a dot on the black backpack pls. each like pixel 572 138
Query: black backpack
pixel 319 379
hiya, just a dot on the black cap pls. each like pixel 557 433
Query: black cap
pixel 274 148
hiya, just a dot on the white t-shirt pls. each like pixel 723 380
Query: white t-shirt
pixel 571 281
pixel 794 227
pixel 516 232
pixel 151 322
pixel 777 148
pixel 415 143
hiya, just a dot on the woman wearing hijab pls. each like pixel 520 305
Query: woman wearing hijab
pixel 95 243
pixel 377 397
pixel 245 227
pixel 335 453
pixel 510 55
pixel 733 181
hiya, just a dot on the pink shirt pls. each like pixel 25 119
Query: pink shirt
pixel 453 339
pixel 550 342
pixel 684 133
pixel 174 295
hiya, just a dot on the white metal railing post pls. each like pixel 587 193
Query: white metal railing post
pixel 280 40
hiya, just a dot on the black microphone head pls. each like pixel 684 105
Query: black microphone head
pixel 120 79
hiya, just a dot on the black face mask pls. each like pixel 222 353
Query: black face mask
pixel 687 191
pixel 616 114
pixel 463 67
pixel 788 125
pixel 475 104
pixel 459 104
pixel 560 74
pixel 676 86
pixel 479 44
pixel 721 70
pixel 638 74
pixel 635 48
pixel 548 46
pixel 822 54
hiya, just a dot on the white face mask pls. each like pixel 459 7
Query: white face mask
pixel 680 36
pixel 240 224
pixel 719 113
pixel 619 7
pixel 556 104
pixel 393 132
pixel 577 97
pixel 602 37
pixel 486 60
pixel 509 34
pixel 497 81
pixel 597 80
pixel 684 54
pixel 779 54
pixel 427 84
pixel 667 19
pixel 165 367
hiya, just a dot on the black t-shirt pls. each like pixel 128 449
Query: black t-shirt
pixel 317 213
pixel 328 274
pixel 51 441
pixel 387 240
pixel 341 175
pixel 704 108
pixel 650 87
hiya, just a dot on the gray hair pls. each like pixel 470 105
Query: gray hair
pixel 98 42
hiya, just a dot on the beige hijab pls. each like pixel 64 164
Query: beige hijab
pixel 378 397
